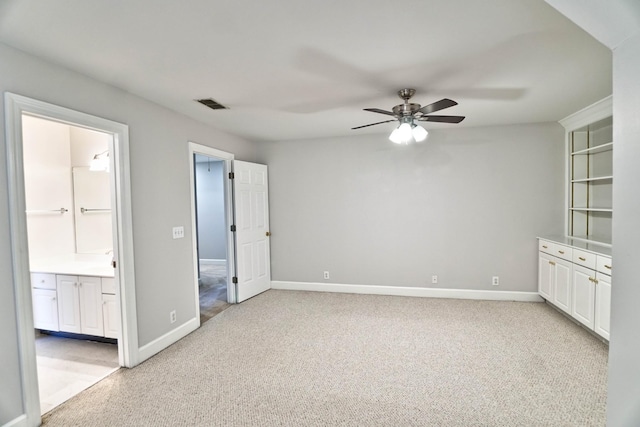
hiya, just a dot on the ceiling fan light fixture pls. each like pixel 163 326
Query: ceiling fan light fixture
pixel 395 136
pixel 405 134
pixel 419 133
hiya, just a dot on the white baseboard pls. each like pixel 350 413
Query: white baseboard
pixel 159 344
pixel 409 291
pixel 213 262
pixel 20 421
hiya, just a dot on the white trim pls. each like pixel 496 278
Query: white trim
pixel 204 261
pixel 195 148
pixel 171 337
pixel 594 112
pixel 408 291
pixel 20 421
pixel 15 107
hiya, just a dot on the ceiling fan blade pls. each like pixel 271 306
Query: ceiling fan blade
pixel 437 106
pixel 377 110
pixel 371 124
pixel 442 119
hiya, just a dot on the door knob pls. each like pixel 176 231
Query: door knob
pixel 268 233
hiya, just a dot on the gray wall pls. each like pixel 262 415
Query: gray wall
pixel 160 192
pixel 212 236
pixel 466 205
pixel 616 24
pixel 624 353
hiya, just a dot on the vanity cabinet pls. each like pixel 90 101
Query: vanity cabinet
pixel 45 304
pixel 110 308
pixel 576 279
pixel 80 305
pixel 76 304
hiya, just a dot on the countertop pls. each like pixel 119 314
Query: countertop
pixel 74 265
pixel 580 244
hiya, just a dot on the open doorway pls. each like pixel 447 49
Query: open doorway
pixel 111 284
pixel 70 235
pixel 212 219
pixel 211 235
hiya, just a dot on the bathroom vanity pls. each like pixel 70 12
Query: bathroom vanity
pixel 75 293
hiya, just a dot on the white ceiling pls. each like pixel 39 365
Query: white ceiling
pixel 298 69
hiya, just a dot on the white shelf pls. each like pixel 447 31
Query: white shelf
pixel 594 150
pixel 595 178
pixel 589 136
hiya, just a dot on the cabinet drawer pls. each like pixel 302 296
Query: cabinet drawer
pixel 555 249
pixel 108 285
pixel 603 264
pixel 585 259
pixel 43 281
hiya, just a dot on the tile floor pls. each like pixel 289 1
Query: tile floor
pixel 67 366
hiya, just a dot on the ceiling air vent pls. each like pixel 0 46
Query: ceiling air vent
pixel 211 104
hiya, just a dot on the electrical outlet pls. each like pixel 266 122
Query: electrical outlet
pixel 434 279
pixel 178 232
pixel 326 275
pixel 495 281
pixel 172 316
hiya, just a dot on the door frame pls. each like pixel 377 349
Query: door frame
pixel 128 354
pixel 227 158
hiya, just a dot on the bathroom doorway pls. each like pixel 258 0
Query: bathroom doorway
pixel 52 286
pixel 69 230
pixel 211 235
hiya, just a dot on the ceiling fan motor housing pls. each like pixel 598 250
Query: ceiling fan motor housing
pixel 405 109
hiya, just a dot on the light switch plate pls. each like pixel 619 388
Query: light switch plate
pixel 178 232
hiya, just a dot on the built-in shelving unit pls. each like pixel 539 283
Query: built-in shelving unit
pixel 590 181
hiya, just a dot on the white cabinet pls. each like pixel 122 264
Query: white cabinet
pixel 110 311
pixel 554 280
pixel 80 305
pixel 562 281
pixel 546 274
pixel 77 304
pixel 110 315
pixel 90 290
pixel 577 280
pixel 603 305
pixel 45 309
pixel 68 304
pixel 584 294
pixel 45 304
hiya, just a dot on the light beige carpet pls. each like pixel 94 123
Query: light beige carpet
pixel 316 359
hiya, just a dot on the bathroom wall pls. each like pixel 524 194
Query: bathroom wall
pixel 212 234
pixel 48 187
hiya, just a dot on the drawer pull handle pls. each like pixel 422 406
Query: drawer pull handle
pixel 607 266
pixel 544 246
pixel 562 252
pixel 552 263
pixel 581 258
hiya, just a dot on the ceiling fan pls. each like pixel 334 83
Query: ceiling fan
pixel 407 114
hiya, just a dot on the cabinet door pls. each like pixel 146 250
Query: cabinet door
pixel 545 276
pixel 603 305
pixel 91 322
pixel 562 282
pixel 68 304
pixel 45 309
pixel 110 315
pixel 583 308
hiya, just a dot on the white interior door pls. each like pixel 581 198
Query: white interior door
pixel 251 205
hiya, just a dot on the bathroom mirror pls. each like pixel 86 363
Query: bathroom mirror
pixel 92 211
